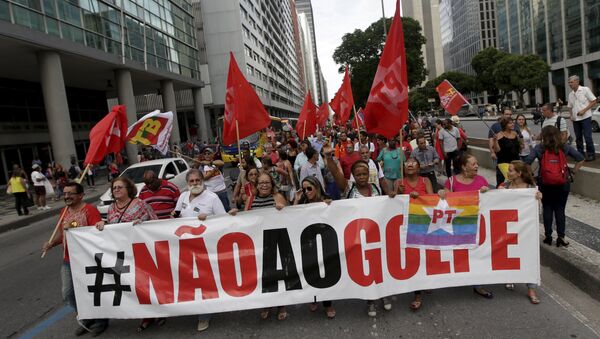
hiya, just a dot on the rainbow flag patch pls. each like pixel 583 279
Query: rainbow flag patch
pixel 449 223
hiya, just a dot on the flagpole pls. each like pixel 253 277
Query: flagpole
pixel 62 215
pixel 356 119
pixel 304 130
pixel 401 155
pixel 237 132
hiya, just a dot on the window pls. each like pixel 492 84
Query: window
pixel 181 165
pixel 169 169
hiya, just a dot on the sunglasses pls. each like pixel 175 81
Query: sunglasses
pixel 307 189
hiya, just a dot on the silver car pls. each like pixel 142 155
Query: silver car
pixel 596 120
pixel 172 169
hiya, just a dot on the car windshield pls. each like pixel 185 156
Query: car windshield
pixel 137 173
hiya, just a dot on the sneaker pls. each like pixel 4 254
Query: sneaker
pixel 371 310
pixel 46 207
pixel 202 325
pixel 39 208
pixel 387 304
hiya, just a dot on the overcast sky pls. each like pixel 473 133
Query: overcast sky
pixel 333 19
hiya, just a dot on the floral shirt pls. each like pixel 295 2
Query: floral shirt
pixel 137 209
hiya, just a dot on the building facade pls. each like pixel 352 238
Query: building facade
pixel 261 35
pixel 62 60
pixel 427 13
pixel 467 27
pixel 565 33
pixel 306 17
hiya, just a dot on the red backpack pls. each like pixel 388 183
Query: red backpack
pixel 554 168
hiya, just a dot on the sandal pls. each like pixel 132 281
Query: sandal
pixel 264 314
pixel 415 305
pixel 145 324
pixel 330 311
pixel 313 307
pixel 533 299
pixel 510 287
pixel 281 313
pixel 483 292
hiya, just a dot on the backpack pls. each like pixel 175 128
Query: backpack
pixel 553 168
pixel 72 172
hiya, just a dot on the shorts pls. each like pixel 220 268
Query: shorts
pixel 39 190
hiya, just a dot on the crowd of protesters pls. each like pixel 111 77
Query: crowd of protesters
pixel 337 163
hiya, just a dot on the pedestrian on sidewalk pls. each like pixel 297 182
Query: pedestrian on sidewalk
pixel 581 102
pixel 448 139
pixel 554 180
pixel 76 213
pixel 39 187
pixel 17 186
pixel 507 146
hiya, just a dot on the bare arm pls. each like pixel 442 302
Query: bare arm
pixel 340 181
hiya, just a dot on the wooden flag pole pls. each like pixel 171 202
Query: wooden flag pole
pixel 356 119
pixel 304 130
pixel 62 215
pixel 401 155
pixel 237 132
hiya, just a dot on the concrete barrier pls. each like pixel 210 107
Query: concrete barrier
pixel 587 180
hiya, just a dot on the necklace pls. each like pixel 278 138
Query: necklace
pixel 120 208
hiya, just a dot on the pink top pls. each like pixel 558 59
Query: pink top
pixel 455 186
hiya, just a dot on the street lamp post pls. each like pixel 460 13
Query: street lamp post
pixel 383 19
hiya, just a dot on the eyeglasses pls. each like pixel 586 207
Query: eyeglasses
pixel 116 188
pixel 412 163
pixel 70 193
pixel 264 183
pixel 307 189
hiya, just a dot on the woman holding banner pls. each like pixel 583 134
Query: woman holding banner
pixel 266 196
pixel 520 176
pixel 414 185
pixel 465 181
pixel 128 208
pixel 311 191
pixel 360 188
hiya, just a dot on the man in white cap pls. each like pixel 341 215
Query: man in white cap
pixel 38 185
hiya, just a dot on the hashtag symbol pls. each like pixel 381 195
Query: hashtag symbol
pixel 99 287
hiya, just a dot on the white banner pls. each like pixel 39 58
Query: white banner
pixel 351 249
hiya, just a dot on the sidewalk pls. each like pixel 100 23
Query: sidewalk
pixel 9 219
pixel 580 261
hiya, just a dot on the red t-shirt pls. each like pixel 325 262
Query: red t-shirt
pixel 86 216
pixel 347 161
pixel 162 201
pixel 421 187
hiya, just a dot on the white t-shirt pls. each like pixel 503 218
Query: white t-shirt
pixel 449 138
pixel 35 176
pixel 374 174
pixel 216 183
pixel 552 122
pixel 206 203
pixel 578 100
pixel 370 145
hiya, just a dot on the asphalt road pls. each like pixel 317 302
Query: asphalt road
pixel 31 303
pixel 478 129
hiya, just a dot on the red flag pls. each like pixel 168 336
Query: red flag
pixel 108 136
pixel 323 115
pixel 241 105
pixel 308 117
pixel 387 106
pixel 360 117
pixel 343 101
pixel 450 99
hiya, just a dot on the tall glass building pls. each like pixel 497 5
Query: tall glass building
pixel 565 33
pixel 62 60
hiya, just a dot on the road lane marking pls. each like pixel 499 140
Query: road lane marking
pixel 570 309
pixel 51 320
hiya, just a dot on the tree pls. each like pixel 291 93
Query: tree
pixel 484 64
pixel 520 73
pixel 361 50
pixel 417 101
pixel 464 83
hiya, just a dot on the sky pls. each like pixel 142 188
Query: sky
pixel 333 19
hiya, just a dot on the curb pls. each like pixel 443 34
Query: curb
pixel 19 223
pixel 574 267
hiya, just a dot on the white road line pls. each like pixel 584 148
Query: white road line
pixel 569 308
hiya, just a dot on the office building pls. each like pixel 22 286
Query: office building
pixel 565 33
pixel 467 27
pixel 427 13
pixel 62 60
pixel 262 36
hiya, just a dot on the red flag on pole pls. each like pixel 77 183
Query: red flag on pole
pixel 307 122
pixel 323 115
pixel 243 105
pixel 360 117
pixel 450 99
pixel 387 106
pixel 108 136
pixel 343 101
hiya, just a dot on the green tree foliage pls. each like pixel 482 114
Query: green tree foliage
pixel 484 64
pixel 417 101
pixel 361 50
pixel 520 73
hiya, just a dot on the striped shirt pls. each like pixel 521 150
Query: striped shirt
pixel 260 202
pixel 163 200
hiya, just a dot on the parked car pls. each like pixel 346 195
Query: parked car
pixel 172 169
pixel 596 120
